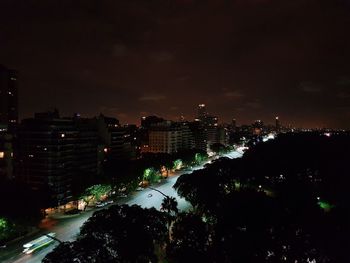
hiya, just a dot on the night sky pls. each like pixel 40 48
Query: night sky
pixel 248 59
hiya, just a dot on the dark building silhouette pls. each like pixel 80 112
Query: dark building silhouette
pixel 54 152
pixel 199 135
pixel 234 125
pixel 209 123
pixel 86 147
pixel 8 98
pixel 147 122
pixel 202 112
pixel 115 138
pixel 278 124
pixel 47 154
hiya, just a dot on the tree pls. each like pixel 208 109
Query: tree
pixel 190 239
pixel 218 148
pixel 117 234
pixel 169 204
pixel 95 192
pixel 151 175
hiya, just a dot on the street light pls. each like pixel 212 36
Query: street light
pixel 53 238
pixel 154 189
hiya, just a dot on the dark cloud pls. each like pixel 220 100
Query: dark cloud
pixel 310 87
pixel 152 98
pixel 248 59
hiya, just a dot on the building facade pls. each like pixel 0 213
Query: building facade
pixel 6 156
pixel 165 137
pixel 8 98
pixel 116 139
pixel 47 155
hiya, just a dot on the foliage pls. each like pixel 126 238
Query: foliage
pixel 200 158
pixel 189 240
pixel 151 175
pixel 169 204
pixel 280 182
pixel 264 207
pixel 95 192
pixel 118 234
pixel 9 230
pixel 4 229
pixel 219 148
pixel 177 164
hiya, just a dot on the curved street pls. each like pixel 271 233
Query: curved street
pixel 67 229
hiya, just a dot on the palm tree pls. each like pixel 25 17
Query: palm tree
pixel 169 205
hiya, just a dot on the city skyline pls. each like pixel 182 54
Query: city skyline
pixel 244 59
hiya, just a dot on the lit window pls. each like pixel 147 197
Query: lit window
pixel 63 135
pixel 2 155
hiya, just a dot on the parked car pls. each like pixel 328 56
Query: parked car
pixel 101 204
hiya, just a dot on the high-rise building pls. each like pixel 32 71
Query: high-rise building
pixel 234 125
pixel 210 124
pixel 55 153
pixel 202 112
pixel 8 98
pixel 86 148
pixel 147 122
pixel 47 154
pixel 278 124
pixel 116 138
pixel 187 139
pixel 165 137
pixel 199 134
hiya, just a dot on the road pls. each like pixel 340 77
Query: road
pixel 68 228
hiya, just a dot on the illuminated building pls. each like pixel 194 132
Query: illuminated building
pixel 8 98
pixel 165 137
pixel 170 137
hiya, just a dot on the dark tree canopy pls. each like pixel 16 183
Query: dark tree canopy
pixel 118 234
pixel 284 201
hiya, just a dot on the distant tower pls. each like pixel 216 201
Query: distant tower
pixel 202 112
pixel 278 124
pixel 8 98
pixel 234 124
